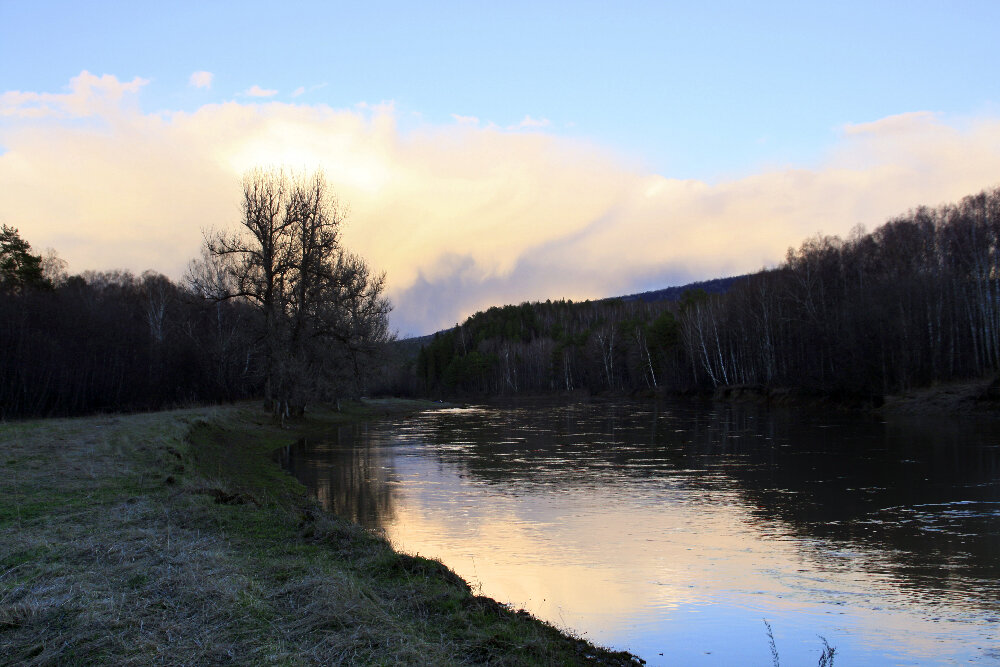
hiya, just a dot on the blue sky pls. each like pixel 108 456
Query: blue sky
pixel 693 90
pixel 719 94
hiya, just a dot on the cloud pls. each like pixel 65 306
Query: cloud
pixel 257 91
pixel 88 95
pixel 528 123
pixel 460 216
pixel 301 90
pixel 465 120
pixel 201 79
pixel 899 124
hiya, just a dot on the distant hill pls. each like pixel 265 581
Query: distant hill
pixel 909 305
pixel 410 346
pixel 716 286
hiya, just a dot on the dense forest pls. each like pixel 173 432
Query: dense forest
pixel 115 341
pixel 914 302
pixel 275 308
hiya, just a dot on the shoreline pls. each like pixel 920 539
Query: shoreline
pixel 977 397
pixel 174 537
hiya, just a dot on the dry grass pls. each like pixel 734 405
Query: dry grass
pixel 171 538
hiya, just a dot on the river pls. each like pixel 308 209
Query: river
pixel 673 529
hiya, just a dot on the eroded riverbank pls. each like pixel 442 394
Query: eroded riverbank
pixel 980 396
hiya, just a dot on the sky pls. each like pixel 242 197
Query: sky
pixel 494 153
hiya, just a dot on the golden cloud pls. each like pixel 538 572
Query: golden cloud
pixel 460 216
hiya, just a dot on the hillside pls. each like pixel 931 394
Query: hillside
pixel 550 346
pixel 413 344
pixel 715 286
pixel 915 302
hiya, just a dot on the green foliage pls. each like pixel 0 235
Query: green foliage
pixel 691 297
pixel 19 269
pixel 551 346
pixel 665 331
pixel 468 369
pixel 508 323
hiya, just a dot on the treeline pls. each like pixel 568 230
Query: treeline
pixel 115 341
pixel 276 308
pixel 914 302
pixel 714 286
pixel 610 345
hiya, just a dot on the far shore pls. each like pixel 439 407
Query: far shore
pixel 976 396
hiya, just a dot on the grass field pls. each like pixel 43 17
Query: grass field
pixel 173 538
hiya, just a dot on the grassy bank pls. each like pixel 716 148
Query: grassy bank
pixel 173 538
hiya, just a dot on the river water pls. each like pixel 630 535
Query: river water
pixel 673 530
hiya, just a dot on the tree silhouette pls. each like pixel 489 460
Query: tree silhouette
pixel 19 269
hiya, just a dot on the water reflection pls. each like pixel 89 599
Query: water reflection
pixel 674 527
pixel 354 482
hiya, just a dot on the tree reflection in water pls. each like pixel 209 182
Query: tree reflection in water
pixel 723 505
pixel 356 483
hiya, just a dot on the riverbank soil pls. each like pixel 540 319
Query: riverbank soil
pixel 973 396
pixel 980 396
pixel 174 538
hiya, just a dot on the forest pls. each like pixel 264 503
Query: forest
pixel 275 308
pixel 914 302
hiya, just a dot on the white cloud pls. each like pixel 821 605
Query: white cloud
pixel 531 123
pixel 301 90
pixel 88 95
pixel 201 79
pixel 465 120
pixel 902 124
pixel 257 91
pixel 461 216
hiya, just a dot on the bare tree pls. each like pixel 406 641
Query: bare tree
pixel 321 309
